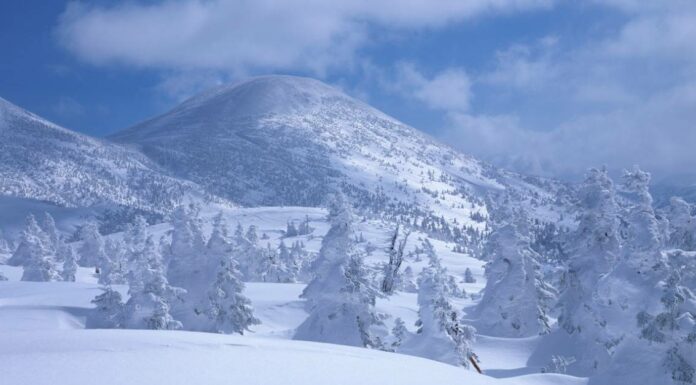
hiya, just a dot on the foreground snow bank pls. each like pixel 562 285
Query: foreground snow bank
pixel 135 357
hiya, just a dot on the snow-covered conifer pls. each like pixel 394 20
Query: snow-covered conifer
pixel 34 255
pixel 69 263
pixel 32 238
pixel 52 239
pixel 469 276
pixel 682 225
pixel 116 271
pixel 229 310
pixel 340 298
pixel 251 235
pixel 593 252
pixel 291 229
pixel 186 254
pixel 441 335
pixel 109 311
pixel 516 298
pixel 150 293
pixel 399 333
pixel 91 251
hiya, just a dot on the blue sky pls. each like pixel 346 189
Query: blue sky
pixel 540 86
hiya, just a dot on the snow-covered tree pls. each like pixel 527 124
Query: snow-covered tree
pixel 441 335
pixel 291 229
pixel 109 311
pixel 469 276
pixel 150 293
pixel 516 298
pixel 273 269
pixel 396 258
pixel 186 255
pixel 304 228
pixel 682 225
pixel 251 235
pixel 52 239
pixel 31 241
pixel 594 249
pixel 227 309
pixel 91 251
pixel 134 239
pixel 642 227
pixel 34 254
pixel 673 330
pixel 340 298
pixel 115 272
pixel 69 263
pixel 399 333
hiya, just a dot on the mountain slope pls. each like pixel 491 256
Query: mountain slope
pixel 281 140
pixel 43 161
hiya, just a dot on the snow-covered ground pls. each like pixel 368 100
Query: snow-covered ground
pixel 42 326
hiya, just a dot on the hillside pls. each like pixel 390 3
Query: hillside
pixel 42 161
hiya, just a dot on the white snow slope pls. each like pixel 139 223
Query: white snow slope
pixel 43 161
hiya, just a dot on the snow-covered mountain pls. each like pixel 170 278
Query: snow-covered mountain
pixel 282 140
pixel 42 161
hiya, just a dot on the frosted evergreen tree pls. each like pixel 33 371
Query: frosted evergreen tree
pixel 304 228
pixel 189 268
pixel 227 308
pixel 272 268
pixel 643 229
pixel 150 293
pixel 134 239
pixel 239 234
pixel 340 298
pixel 34 254
pixel 52 240
pixel 674 329
pixel 39 265
pixel 441 335
pixel 186 255
pixel 516 298
pixel 593 252
pixel 109 310
pixel 91 251
pixel 116 271
pixel 682 225
pixel 291 229
pixel 31 239
pixel 251 235
pixel 399 333
pixel 469 276
pixel 69 263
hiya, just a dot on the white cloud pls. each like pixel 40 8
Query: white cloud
pixel 449 90
pixel 234 36
pixel 626 97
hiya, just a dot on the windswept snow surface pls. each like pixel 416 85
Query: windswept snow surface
pixel 43 341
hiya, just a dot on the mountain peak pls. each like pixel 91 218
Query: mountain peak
pixel 264 95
